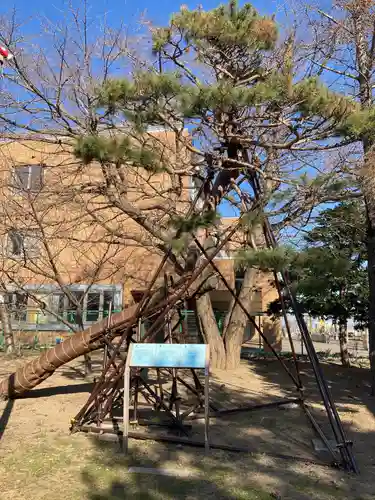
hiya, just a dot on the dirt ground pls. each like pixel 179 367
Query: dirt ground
pixel 40 460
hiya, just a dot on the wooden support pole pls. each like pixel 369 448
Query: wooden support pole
pixel 206 400
pixel 125 437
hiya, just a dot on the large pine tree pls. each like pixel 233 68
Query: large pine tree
pixel 222 81
pixel 224 75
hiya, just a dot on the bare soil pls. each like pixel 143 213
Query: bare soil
pixel 41 460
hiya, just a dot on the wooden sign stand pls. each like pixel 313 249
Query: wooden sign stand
pixel 195 356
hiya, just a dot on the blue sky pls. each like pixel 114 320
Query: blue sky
pixel 128 12
pixel 157 10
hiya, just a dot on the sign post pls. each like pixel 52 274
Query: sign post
pixel 195 356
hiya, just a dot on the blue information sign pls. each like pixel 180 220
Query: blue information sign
pixel 168 355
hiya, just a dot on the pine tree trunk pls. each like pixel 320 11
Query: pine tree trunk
pixel 39 369
pixel 344 353
pixel 236 321
pixel 7 327
pixel 211 332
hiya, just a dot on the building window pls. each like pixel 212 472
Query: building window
pixel 95 303
pixel 55 303
pixel 23 243
pixel 75 303
pixel 94 300
pixel 15 243
pixel 107 302
pixel 17 305
pixel 28 178
pixel 93 306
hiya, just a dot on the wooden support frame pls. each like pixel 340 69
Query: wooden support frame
pixel 130 363
pixel 108 389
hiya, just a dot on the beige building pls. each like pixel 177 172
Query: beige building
pixel 63 243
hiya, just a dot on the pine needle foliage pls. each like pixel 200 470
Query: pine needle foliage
pixel 237 43
pixel 227 25
pixel 266 259
pixel 314 98
pixel 251 219
pixel 359 124
pixel 330 274
pixel 184 224
pixel 102 149
pixel 245 94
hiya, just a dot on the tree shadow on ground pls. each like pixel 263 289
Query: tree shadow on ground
pixel 347 385
pixel 194 475
pixel 267 432
pixel 76 371
pixel 162 480
pixel 172 473
pixel 7 411
pixel 5 416
pixel 58 390
pixel 350 389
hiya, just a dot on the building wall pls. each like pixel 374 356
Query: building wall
pixel 78 252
